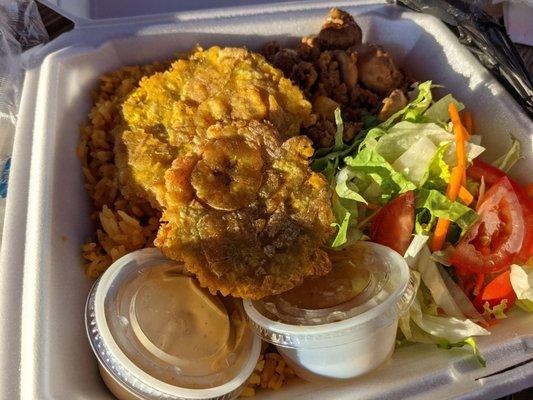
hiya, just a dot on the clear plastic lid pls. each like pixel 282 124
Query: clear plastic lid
pixel 163 336
pixel 369 285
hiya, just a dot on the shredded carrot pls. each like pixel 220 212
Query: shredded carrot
pixel 529 190
pixel 465 196
pixel 439 236
pixel 454 186
pixel 443 224
pixel 469 123
pixel 460 137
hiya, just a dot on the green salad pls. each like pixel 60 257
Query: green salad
pixel 415 183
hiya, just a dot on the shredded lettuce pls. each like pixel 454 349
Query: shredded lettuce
pixel 443 290
pixel 522 282
pixel 328 160
pixel 402 136
pixel 340 239
pixel 509 159
pixel 369 120
pixel 339 142
pixel 460 298
pixel 442 327
pixel 432 278
pixel 424 327
pixel 390 182
pixel 438 112
pixel 424 222
pixel 412 150
pixel 346 188
pixel 414 163
pixel 413 251
pixel 439 205
pixel 473 186
pixel 346 214
pixel 345 206
pixel 444 344
pixel 443 256
pixel 526 305
pixel 437 175
pixel 422 322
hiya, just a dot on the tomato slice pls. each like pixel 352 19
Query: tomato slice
pixel 495 292
pixel 529 190
pixel 491 175
pixel 527 209
pixel 393 224
pixel 480 169
pixel 494 241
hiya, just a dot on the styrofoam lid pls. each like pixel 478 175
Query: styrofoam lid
pixel 87 10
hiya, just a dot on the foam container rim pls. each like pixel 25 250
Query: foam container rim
pixel 30 264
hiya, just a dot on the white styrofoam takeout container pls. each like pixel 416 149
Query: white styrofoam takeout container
pixel 44 353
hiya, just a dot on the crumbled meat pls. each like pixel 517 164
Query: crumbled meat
pixel 325 107
pixel 304 75
pixel 339 32
pixel 286 59
pixel 391 104
pixel 270 49
pixel 362 100
pixel 308 49
pixel 334 69
pixel 377 70
pixel 323 132
pixel 329 78
pixel 350 130
pixel 348 66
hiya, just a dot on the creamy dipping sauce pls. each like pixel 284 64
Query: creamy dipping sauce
pixel 174 330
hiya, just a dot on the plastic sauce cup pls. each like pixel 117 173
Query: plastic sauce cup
pixel 158 335
pixel 341 325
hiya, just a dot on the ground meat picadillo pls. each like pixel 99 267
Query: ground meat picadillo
pixel 336 69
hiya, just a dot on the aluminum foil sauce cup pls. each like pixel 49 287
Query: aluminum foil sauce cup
pixel 158 335
pixel 341 325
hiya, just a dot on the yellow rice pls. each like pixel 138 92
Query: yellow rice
pixel 123 226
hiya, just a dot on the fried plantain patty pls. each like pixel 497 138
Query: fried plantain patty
pixel 246 213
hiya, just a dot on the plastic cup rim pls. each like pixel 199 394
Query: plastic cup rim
pixel 278 327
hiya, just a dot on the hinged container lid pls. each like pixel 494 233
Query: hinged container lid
pixel 86 11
